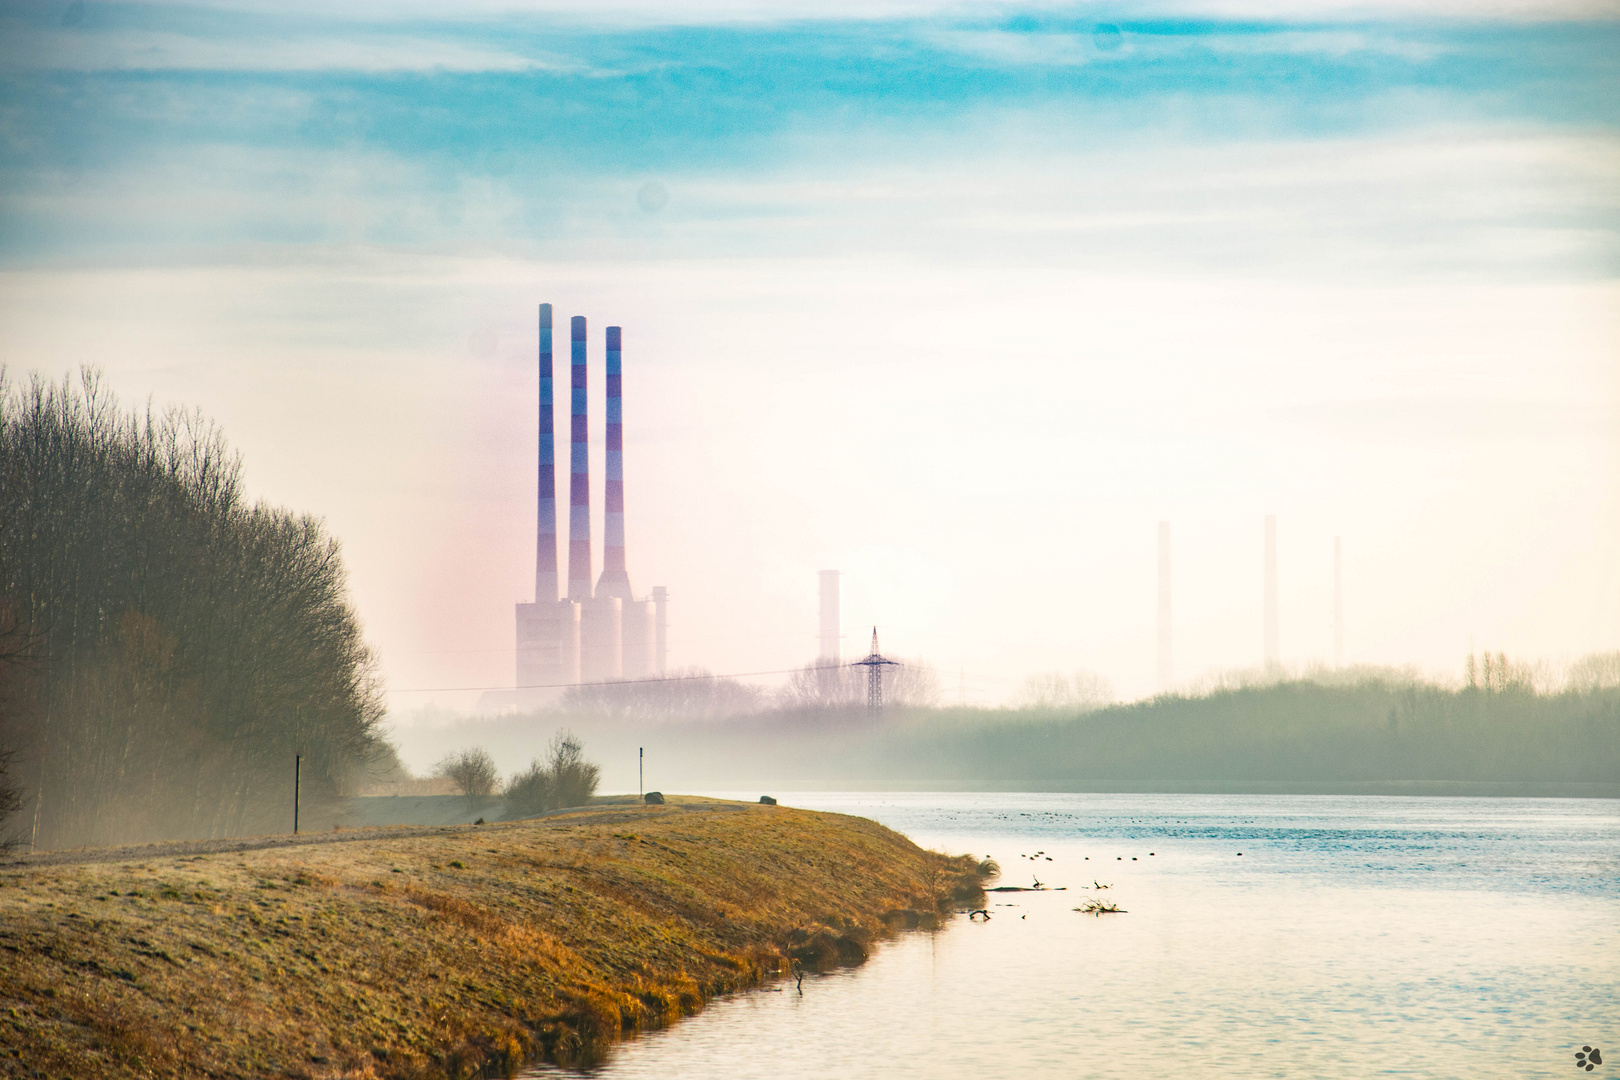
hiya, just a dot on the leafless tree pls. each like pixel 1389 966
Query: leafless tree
pixel 841 688
pixel 564 779
pixel 472 771
pixel 683 694
pixel 1079 691
pixel 169 646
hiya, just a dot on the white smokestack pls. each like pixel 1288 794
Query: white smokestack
pixel 1166 669
pixel 1271 590
pixel 831 617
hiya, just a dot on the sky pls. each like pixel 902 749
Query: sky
pixel 960 299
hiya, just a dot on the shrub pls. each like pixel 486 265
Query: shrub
pixel 573 779
pixel 472 771
pixel 529 792
pixel 565 778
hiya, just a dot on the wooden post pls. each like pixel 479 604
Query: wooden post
pixel 298 779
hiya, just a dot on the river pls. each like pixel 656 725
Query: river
pixel 1262 936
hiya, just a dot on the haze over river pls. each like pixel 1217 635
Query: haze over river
pixel 1354 936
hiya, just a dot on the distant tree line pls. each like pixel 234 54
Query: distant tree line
pixel 166 647
pixel 1346 730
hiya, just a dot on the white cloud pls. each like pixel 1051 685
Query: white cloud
pixel 368 50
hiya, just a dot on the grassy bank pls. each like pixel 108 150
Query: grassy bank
pixel 436 952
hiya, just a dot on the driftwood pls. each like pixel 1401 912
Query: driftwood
pixel 1028 888
pixel 1097 907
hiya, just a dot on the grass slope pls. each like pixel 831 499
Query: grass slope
pixel 444 952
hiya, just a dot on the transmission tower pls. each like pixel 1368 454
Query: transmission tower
pixel 874 663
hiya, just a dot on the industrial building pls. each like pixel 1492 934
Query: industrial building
pixel 587 634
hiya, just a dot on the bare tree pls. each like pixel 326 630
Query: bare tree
pixel 472 771
pixel 1597 671
pixel 573 779
pixel 564 779
pixel 1080 691
pixel 178 645
pixel 683 694
pixel 837 688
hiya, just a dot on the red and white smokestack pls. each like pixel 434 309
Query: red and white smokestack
pixel 545 526
pixel 615 580
pixel 579 474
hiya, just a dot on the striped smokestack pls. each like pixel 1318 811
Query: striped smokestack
pixel 615 580
pixel 579 475
pixel 545 527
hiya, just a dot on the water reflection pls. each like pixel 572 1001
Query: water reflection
pixel 1353 936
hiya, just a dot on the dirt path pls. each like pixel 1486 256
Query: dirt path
pixel 609 811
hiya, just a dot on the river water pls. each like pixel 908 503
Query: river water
pixel 1352 937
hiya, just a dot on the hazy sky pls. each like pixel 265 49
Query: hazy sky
pixel 961 299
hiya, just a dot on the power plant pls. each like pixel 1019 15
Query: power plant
pixel 592 634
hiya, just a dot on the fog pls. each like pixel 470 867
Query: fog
pixel 1502 727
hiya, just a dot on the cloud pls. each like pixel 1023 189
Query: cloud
pixel 370 51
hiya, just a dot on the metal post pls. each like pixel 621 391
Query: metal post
pixel 641 770
pixel 298 781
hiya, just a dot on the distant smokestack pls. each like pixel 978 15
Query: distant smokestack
pixel 579 475
pixel 1271 590
pixel 548 629
pixel 545 526
pixel 660 599
pixel 615 581
pixel 1338 608
pixel 1166 672
pixel 830 616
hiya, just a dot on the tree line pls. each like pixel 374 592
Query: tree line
pixel 166 646
pixel 1347 730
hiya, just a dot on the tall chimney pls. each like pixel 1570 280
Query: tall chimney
pixel 1166 671
pixel 1271 590
pixel 545 526
pixel 579 478
pixel 830 616
pixel 660 599
pixel 1338 608
pixel 615 581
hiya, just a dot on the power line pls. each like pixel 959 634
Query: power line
pixel 606 682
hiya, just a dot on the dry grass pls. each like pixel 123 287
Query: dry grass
pixel 451 953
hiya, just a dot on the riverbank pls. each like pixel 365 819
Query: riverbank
pixel 440 951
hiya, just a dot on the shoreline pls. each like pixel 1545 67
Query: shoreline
pixel 437 951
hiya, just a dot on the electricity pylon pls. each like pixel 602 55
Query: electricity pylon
pixel 874 663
